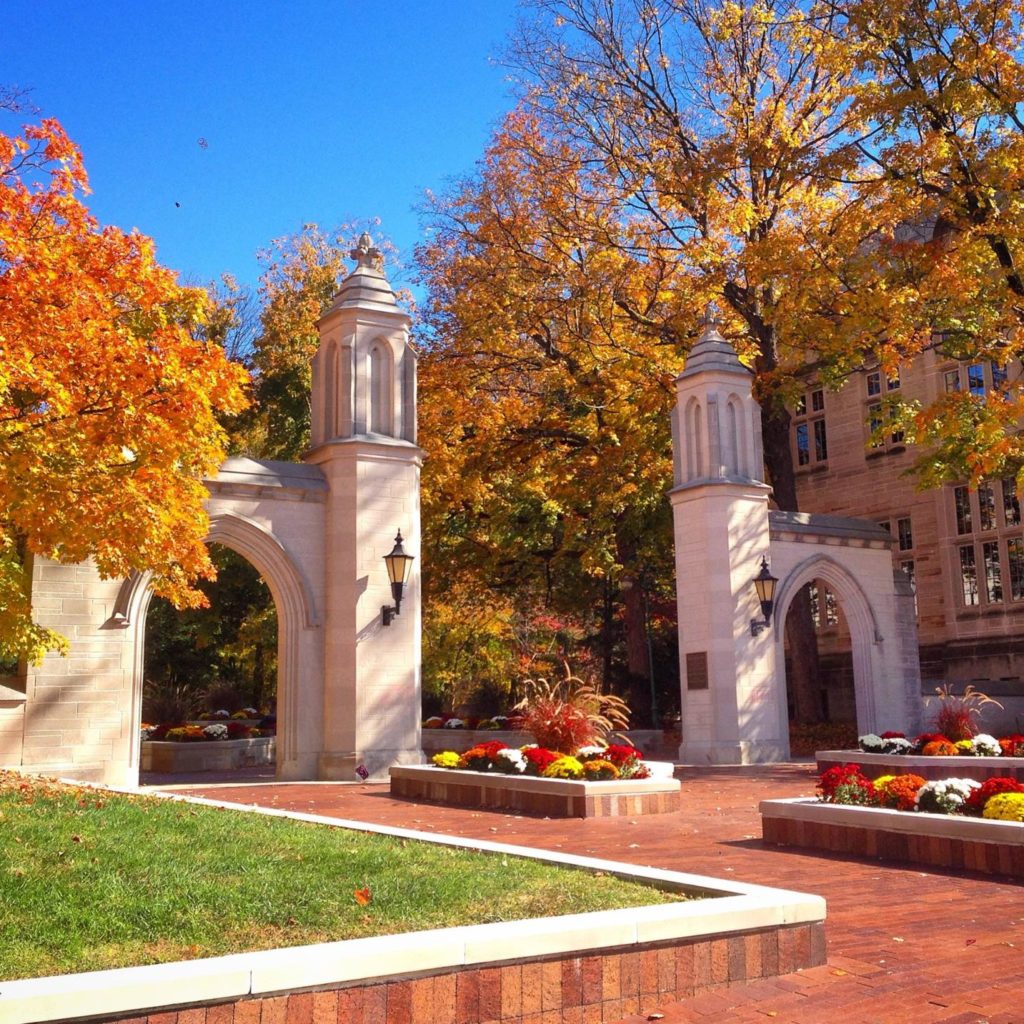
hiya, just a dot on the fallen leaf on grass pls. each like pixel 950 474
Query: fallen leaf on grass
pixel 363 896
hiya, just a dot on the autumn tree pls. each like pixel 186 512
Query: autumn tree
pixel 938 85
pixel 109 396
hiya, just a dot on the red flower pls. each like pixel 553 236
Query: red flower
pixel 893 736
pixel 537 759
pixel 620 753
pixel 846 775
pixel 975 803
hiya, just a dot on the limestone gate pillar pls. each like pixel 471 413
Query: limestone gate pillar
pixel 730 711
pixel 364 441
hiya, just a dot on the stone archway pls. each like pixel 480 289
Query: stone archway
pixel 860 618
pixel 733 687
pixel 296 612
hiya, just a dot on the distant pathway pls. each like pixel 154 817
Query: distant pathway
pixel 905 946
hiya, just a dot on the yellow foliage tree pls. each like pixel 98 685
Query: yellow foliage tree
pixel 108 393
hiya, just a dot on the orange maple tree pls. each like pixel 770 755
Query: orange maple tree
pixel 109 394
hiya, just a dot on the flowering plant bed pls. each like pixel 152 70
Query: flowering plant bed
pixel 952 822
pixel 208 756
pixel 533 794
pixel 930 766
pixel 987 845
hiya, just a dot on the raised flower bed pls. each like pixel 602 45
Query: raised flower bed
pixel 930 767
pixel 598 782
pixel 932 840
pixel 949 823
pixel 208 755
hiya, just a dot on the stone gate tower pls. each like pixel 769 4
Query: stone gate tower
pixel 364 442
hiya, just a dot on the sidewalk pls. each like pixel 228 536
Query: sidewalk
pixel 905 945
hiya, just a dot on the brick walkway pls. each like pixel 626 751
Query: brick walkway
pixel 905 946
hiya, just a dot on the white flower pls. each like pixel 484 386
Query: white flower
pixel 945 796
pixel 455 723
pixel 592 751
pixel 871 743
pixel 986 746
pixel 896 745
pixel 514 757
pixel 215 732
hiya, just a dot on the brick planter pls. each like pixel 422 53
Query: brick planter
pixel 980 768
pixel 207 755
pixel 931 840
pixel 554 798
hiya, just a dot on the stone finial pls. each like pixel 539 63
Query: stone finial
pixel 366 254
pixel 712 318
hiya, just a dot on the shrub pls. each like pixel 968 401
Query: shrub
pixel 167 704
pixel 222 693
pixel 976 802
pixel 569 714
pixel 1005 807
pixel 957 715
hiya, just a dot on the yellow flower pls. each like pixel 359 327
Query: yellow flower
pixel 446 759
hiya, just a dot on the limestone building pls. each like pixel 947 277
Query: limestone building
pixel 962 547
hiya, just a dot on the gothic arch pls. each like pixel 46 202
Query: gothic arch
pixel 860 617
pixel 695 441
pixel 293 598
pixel 380 417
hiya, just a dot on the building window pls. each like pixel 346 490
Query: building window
pixel 904 534
pixel 877 412
pixel 1011 503
pixel 1015 559
pixel 824 606
pixel 908 568
pixel 810 430
pixel 986 508
pixel 979 377
pixel 968 575
pixel 998 557
pixel 962 500
pixel 993 572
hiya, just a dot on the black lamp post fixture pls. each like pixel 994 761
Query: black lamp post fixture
pixel 764 584
pixel 399 564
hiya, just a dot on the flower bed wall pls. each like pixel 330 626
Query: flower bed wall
pixel 555 798
pixel 594 967
pixel 933 840
pixel 207 755
pixel 653 742
pixel 980 768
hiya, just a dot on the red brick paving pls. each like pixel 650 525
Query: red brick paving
pixel 905 945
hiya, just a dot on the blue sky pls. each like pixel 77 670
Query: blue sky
pixel 311 111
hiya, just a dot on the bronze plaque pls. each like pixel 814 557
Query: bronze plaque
pixel 697 670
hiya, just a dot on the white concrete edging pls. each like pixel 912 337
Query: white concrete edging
pixel 946 826
pixel 955 764
pixel 730 907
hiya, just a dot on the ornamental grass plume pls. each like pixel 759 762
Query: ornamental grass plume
pixel 957 716
pixel 570 713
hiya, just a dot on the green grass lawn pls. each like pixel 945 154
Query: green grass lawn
pixel 91 880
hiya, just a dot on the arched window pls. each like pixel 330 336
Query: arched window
pixel 694 441
pixel 731 437
pixel 379 391
pixel 330 394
